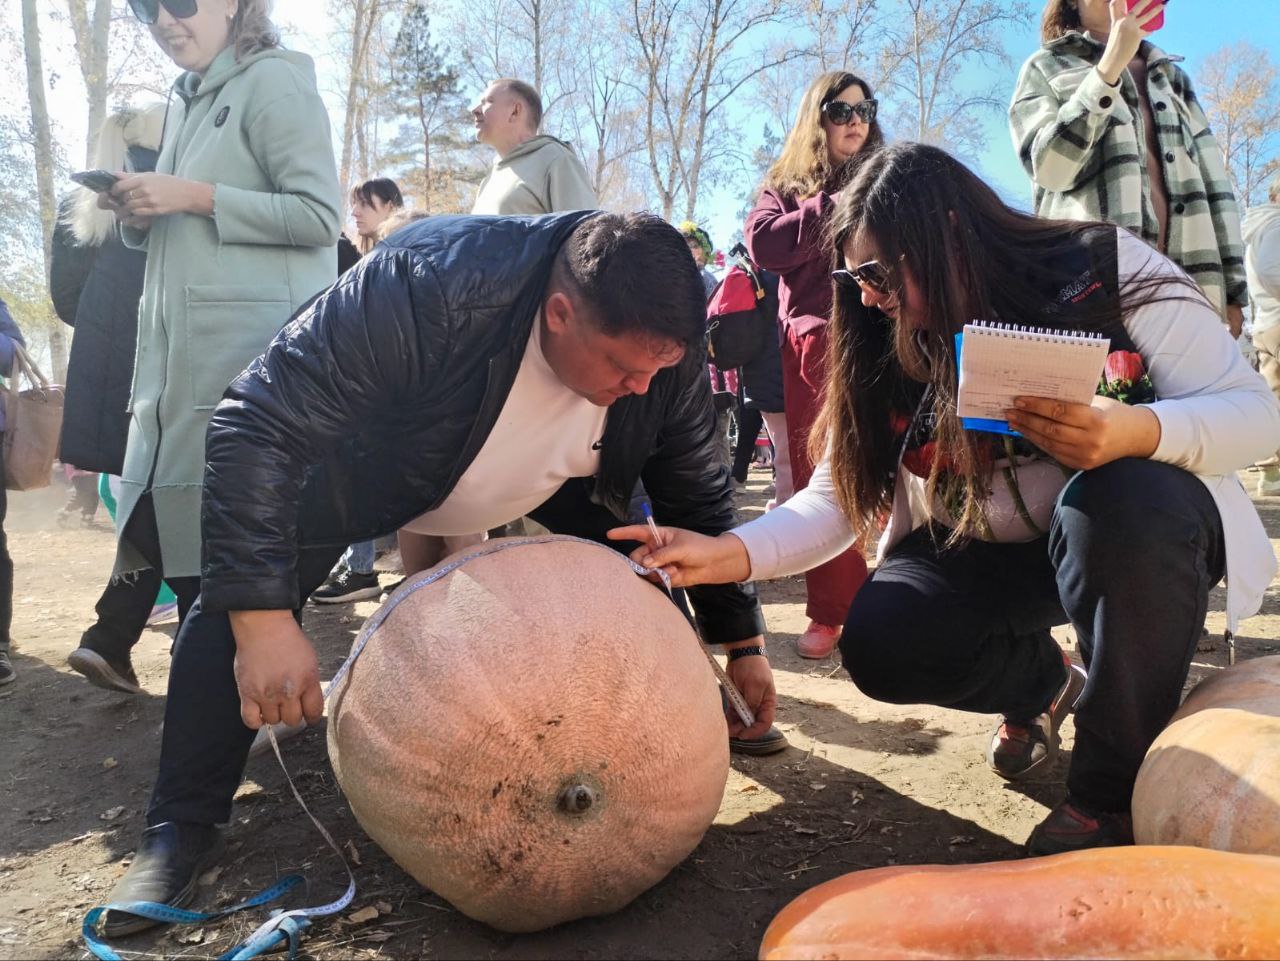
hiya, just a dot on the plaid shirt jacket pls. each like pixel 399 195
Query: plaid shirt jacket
pixel 1083 143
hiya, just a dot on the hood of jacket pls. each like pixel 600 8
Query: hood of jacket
pixel 530 147
pixel 1258 217
pixel 225 67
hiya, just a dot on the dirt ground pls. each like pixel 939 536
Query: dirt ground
pixel 863 785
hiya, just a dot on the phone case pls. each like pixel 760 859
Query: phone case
pixel 99 181
pixel 1155 24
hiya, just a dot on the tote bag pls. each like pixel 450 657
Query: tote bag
pixel 33 423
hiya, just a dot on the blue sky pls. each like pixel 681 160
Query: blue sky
pixel 1193 29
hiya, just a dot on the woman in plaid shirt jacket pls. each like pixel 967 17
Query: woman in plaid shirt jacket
pixel 1109 128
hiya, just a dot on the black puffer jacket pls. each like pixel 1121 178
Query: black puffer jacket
pixel 368 407
pixel 96 291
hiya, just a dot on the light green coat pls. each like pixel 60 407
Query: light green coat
pixel 218 288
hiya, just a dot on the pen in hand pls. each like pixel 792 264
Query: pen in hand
pixel 653 525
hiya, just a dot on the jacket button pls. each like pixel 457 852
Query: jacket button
pixel 1169 156
pixel 1160 105
pixel 1179 208
pixel 1104 103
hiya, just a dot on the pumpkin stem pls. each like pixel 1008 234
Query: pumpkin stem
pixel 576 798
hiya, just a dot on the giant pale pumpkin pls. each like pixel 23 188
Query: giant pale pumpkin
pixel 534 735
pixel 1128 903
pixel 1212 777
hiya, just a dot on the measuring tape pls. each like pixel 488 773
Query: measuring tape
pixel 287 926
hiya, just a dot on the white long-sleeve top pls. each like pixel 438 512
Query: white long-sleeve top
pixel 1216 416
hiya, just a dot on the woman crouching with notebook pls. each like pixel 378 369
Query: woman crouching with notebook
pixel 1116 517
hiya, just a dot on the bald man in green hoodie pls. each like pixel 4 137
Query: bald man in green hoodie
pixel 533 173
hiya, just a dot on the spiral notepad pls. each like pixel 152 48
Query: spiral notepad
pixel 999 362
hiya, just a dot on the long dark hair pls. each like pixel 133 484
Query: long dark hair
pixel 384 189
pixel 972 257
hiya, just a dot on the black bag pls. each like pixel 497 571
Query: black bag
pixel 742 313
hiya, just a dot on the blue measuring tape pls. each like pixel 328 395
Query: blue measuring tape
pixel 287 926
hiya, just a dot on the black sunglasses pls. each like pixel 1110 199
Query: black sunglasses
pixel 873 275
pixel 148 11
pixel 841 113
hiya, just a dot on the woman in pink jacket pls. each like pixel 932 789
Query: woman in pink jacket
pixel 786 233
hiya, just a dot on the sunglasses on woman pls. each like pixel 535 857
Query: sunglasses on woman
pixel 841 113
pixel 873 275
pixel 148 11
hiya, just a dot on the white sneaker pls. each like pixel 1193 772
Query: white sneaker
pixel 161 613
pixel 1269 482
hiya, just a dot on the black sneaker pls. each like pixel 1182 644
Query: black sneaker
pixel 108 673
pixel 770 742
pixel 1019 748
pixel 7 675
pixel 1070 827
pixel 345 586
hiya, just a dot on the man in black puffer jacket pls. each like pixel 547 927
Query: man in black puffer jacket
pixel 444 381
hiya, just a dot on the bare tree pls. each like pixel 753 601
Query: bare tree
pixel 91 29
pixel 824 35
pixel 929 43
pixel 694 56
pixel 45 159
pixel 1241 97
pixel 601 115
pixel 358 22
pixel 528 39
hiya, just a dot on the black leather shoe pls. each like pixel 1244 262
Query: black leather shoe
pixel 166 869
pixel 770 742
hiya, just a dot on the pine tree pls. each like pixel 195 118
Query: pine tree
pixel 424 91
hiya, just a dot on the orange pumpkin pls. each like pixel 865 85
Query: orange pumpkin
pixel 1212 777
pixel 535 736
pixel 1130 903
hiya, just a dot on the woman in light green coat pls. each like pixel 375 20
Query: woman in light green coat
pixel 239 222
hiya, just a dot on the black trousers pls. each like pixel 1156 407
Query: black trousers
pixel 750 420
pixel 205 744
pixel 122 610
pixel 6 563
pixel 1133 550
pixel 142 533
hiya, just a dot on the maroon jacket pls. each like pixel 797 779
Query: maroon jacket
pixel 787 236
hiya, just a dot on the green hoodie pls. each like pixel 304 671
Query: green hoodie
pixel 218 288
pixel 541 176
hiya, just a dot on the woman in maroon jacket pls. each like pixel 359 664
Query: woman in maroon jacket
pixel 786 233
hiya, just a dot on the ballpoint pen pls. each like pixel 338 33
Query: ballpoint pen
pixel 730 689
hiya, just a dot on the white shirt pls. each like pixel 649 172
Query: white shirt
pixel 544 436
pixel 1216 416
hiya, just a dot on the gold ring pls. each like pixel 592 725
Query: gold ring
pixel 131 193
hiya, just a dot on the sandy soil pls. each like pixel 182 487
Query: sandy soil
pixel 863 785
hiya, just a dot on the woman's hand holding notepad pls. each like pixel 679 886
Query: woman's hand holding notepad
pixel 999 363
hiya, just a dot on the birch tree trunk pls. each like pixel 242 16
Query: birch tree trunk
pixel 42 137
pixel 91 35
pixel 365 17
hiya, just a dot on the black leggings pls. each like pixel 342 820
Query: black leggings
pixel 1133 550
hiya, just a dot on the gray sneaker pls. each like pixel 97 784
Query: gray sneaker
pixel 1020 748
pixel 7 675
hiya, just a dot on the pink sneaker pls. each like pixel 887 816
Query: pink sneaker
pixel 817 641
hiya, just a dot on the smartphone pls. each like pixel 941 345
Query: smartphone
pixel 99 181
pixel 1155 24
